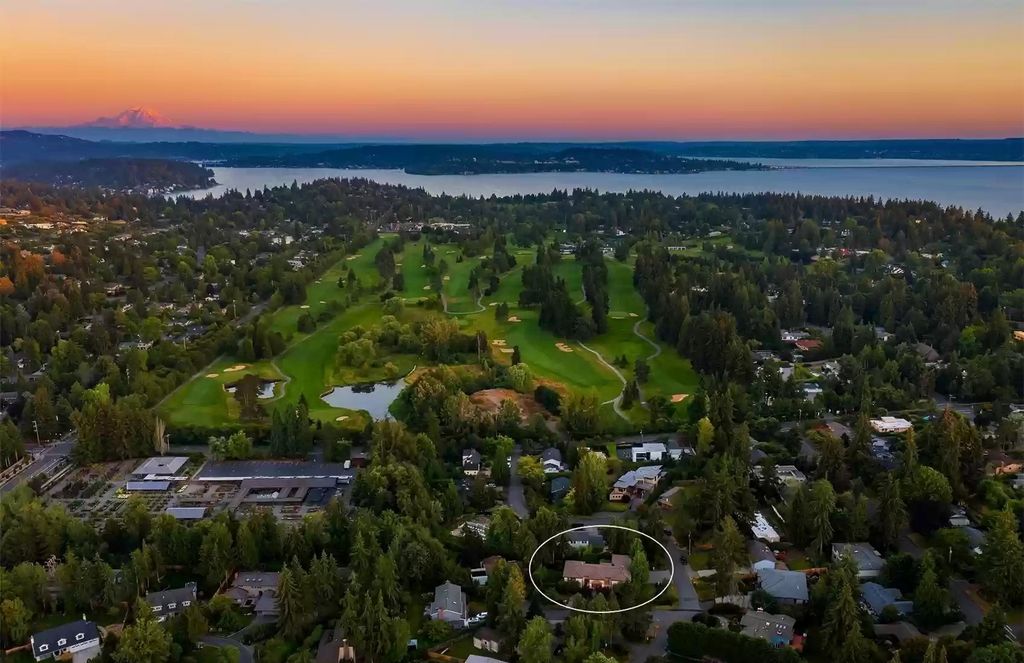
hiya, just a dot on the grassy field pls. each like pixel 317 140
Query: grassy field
pixel 307 365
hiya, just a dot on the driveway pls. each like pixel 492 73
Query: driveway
pixel 244 651
pixel 514 496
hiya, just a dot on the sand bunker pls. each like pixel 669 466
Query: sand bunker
pixel 322 301
pixel 493 304
pixel 508 351
pixel 633 315
pixel 304 306
pixel 563 347
pixel 617 317
pixel 426 287
pixel 236 367
pixel 498 342
pixel 679 398
pixel 341 418
pixel 352 257
pixel 447 278
pixel 514 318
pixel 211 375
pixel 421 266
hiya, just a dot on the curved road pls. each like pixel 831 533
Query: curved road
pixel 244 651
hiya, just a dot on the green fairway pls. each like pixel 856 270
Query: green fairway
pixel 456 280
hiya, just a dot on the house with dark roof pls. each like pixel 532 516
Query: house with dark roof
pixel 449 604
pixel 786 587
pixel 877 598
pixel 80 639
pixel 471 462
pixel 761 556
pixel 636 483
pixel 170 602
pixel 334 647
pixel 551 461
pixel 559 488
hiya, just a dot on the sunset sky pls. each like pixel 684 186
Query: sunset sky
pixel 524 69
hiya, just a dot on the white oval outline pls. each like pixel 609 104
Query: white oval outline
pixel 668 583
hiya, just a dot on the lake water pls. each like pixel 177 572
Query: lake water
pixel 996 188
pixel 374 398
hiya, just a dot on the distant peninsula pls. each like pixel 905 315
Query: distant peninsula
pixel 496 159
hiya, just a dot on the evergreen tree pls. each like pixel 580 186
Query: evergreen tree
pixel 930 599
pixel 729 553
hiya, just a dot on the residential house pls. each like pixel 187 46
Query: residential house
pixel 869 562
pixel 786 587
pixel 776 629
pixel 487 639
pixel 449 604
pixel 881 452
pixel 551 461
pixel 478 576
pixel 559 488
pixel 762 529
pixel 647 451
pixel 80 639
pixel 787 474
pixel 877 598
pixel 170 602
pixel 812 390
pixel 975 538
pixel 665 499
pixel 891 425
pixel 929 354
pixel 761 556
pixel 471 463
pixel 334 648
pixel 585 539
pixel 958 517
pixel 597 576
pixel 477 525
pixel 477 658
pixel 256 590
pixel 636 483
pixel 808 344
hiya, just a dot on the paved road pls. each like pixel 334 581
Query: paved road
pixel 515 496
pixel 244 651
pixel 48 458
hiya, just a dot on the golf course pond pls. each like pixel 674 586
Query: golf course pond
pixel 265 390
pixel 373 397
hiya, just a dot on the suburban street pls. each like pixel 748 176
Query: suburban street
pixel 515 496
pixel 47 459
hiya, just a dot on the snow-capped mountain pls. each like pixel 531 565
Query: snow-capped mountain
pixel 133 118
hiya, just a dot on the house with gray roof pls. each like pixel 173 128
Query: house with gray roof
pixel 869 562
pixel 776 629
pixel 170 602
pixel 786 587
pixel 449 604
pixel 877 598
pixel 80 639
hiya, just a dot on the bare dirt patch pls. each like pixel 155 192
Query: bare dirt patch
pixel 679 398
pixel 563 347
pixel 490 400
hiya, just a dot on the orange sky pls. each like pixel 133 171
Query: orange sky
pixel 683 69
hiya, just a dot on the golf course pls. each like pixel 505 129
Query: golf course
pixel 307 365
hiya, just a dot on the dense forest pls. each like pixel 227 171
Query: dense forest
pixel 120 174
